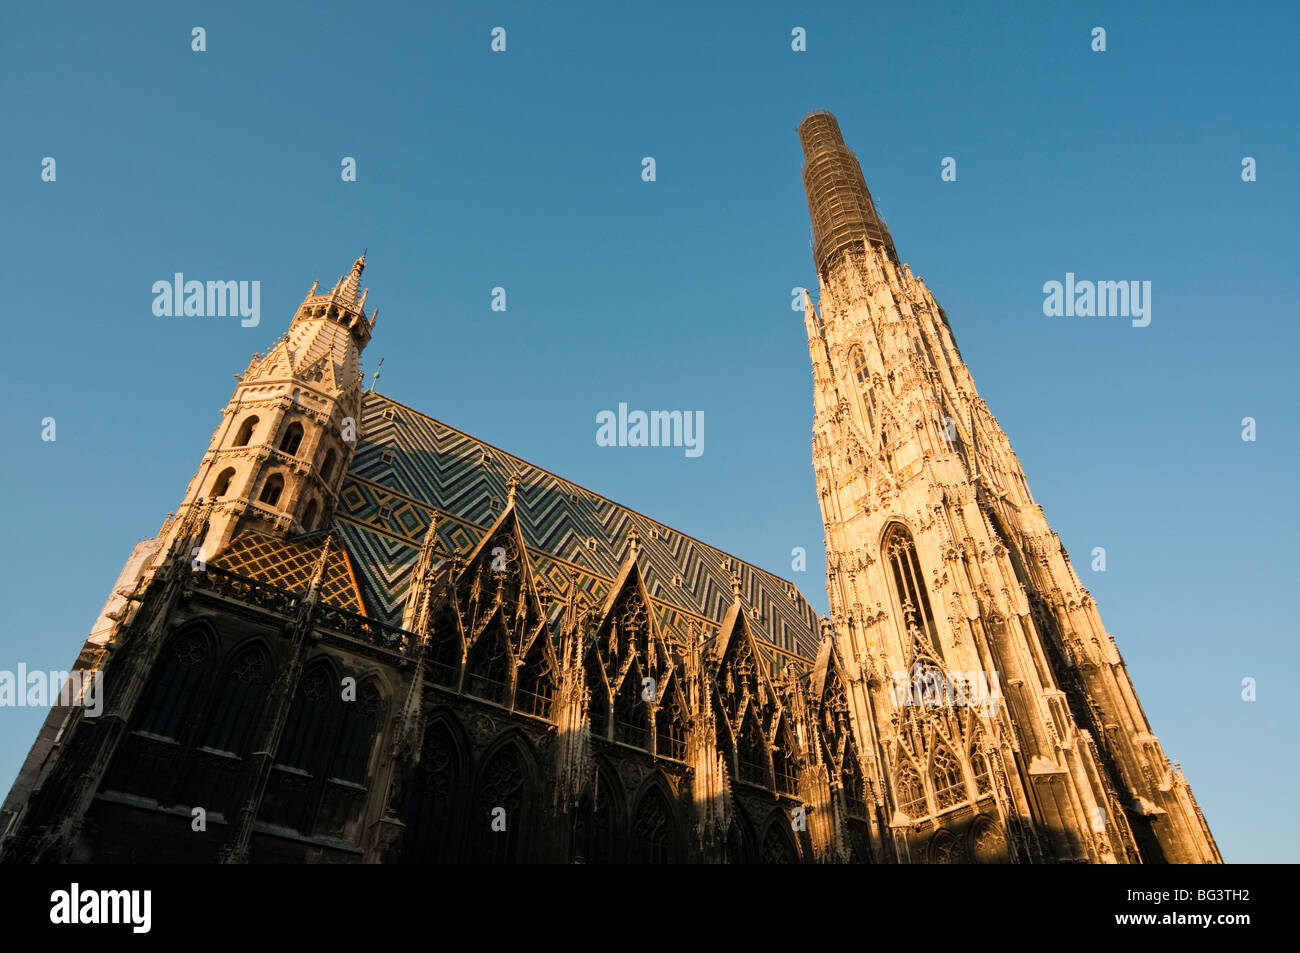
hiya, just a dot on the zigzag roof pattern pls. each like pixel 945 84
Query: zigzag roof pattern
pixel 409 467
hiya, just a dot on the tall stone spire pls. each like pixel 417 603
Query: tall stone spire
pixel 1053 758
pixel 843 214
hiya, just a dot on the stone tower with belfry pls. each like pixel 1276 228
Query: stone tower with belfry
pixel 998 714
pixel 286 437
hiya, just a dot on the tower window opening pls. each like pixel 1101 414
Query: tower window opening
pixel 327 467
pixel 245 432
pixel 272 489
pixel 309 517
pixel 222 484
pixel 292 439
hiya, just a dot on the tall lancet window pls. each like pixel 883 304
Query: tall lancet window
pixel 899 552
pixel 862 374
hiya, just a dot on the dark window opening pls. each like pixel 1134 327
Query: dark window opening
pixel 272 489
pixel 245 432
pixel 221 486
pixel 292 439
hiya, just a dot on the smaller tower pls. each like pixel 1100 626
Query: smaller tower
pixel 287 435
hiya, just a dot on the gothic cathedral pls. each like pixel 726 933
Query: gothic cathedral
pixel 365 636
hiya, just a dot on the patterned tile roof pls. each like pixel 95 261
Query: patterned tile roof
pixel 409 466
pixel 289 564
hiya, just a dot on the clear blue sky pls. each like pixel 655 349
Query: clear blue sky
pixel 522 170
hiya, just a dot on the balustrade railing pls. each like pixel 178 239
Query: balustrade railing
pixel 282 602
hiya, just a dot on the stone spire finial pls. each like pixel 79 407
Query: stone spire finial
pixel 349 286
pixel 512 487
pixel 633 542
pixel 735 587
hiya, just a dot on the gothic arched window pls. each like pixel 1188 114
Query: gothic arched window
pixel 152 759
pixel 598 705
pixel 292 439
pixel 631 719
pixel 444 656
pixel 237 702
pixel 304 723
pixel 979 767
pixel 785 764
pixel 949 785
pixel 594 823
pixel 670 727
pixel 221 485
pixel 751 753
pixel 778 848
pixel 245 432
pixel 327 466
pixel 987 843
pixel 739 847
pixel 909 794
pixel 429 833
pixel 945 848
pixel 272 489
pixel 318 783
pixel 855 785
pixel 858 360
pixel 536 682
pixel 899 553
pixel 862 374
pixel 175 680
pixel 497 819
pixel 309 517
pixel 360 720
pixel 653 830
pixel 487 673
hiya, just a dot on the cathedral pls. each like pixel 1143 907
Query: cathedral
pixel 365 636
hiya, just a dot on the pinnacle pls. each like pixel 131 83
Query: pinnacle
pixel 349 286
